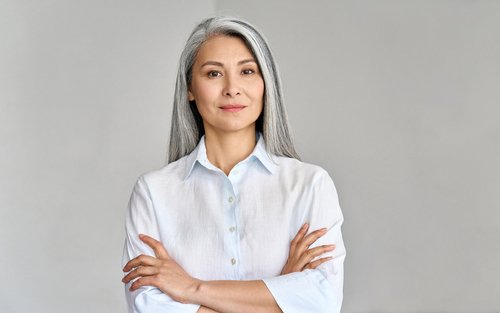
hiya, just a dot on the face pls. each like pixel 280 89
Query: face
pixel 227 86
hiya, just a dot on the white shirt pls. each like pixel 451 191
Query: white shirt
pixel 238 227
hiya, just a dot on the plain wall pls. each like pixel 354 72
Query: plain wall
pixel 399 101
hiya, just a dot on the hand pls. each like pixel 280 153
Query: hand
pixel 161 272
pixel 300 256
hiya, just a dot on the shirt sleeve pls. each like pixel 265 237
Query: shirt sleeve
pixel 141 219
pixel 318 290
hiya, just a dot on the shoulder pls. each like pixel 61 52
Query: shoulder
pixel 173 173
pixel 290 169
pixel 311 182
pixel 293 168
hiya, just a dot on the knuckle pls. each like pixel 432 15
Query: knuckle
pixel 314 253
pixel 319 250
pixel 137 284
pixel 154 281
pixel 317 234
pixel 320 232
pixel 137 271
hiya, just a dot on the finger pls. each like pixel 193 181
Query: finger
pixel 144 260
pixel 316 263
pixel 143 281
pixel 300 234
pixel 140 271
pixel 310 254
pixel 308 240
pixel 158 248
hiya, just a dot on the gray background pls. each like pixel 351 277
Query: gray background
pixel 398 100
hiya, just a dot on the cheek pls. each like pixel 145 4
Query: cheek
pixel 258 91
pixel 255 88
pixel 206 99
pixel 205 94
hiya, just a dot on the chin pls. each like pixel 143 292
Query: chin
pixel 235 128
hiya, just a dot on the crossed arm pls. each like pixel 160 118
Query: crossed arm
pixel 220 296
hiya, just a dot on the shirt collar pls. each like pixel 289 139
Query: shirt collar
pixel 261 154
pixel 199 155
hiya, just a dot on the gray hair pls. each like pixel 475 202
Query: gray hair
pixel 187 123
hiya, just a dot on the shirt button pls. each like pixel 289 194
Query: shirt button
pixel 233 261
pixel 232 229
pixel 235 172
pixel 230 199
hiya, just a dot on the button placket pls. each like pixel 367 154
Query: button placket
pixel 231 207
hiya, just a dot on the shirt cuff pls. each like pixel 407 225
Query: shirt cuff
pixel 154 300
pixel 306 291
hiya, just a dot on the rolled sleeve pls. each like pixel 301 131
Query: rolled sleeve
pixel 154 300
pixel 141 219
pixel 306 291
pixel 321 289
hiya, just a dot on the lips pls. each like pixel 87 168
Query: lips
pixel 232 108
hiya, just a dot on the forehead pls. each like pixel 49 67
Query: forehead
pixel 220 48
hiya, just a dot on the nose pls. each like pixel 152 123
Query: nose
pixel 231 86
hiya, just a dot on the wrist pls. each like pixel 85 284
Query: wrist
pixel 194 292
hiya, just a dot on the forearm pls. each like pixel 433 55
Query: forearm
pixel 235 296
pixel 204 309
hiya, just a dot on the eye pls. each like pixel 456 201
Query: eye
pixel 248 71
pixel 214 74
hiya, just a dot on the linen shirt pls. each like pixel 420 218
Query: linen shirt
pixel 238 227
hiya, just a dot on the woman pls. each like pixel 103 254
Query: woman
pixel 226 219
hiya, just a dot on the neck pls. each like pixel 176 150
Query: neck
pixel 226 149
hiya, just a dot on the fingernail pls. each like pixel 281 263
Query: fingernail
pixel 324 229
pixel 305 225
pixel 331 246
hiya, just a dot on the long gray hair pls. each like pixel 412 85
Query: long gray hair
pixel 187 123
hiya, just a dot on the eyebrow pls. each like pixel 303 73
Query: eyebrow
pixel 221 65
pixel 246 61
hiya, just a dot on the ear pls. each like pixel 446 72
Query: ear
pixel 190 94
